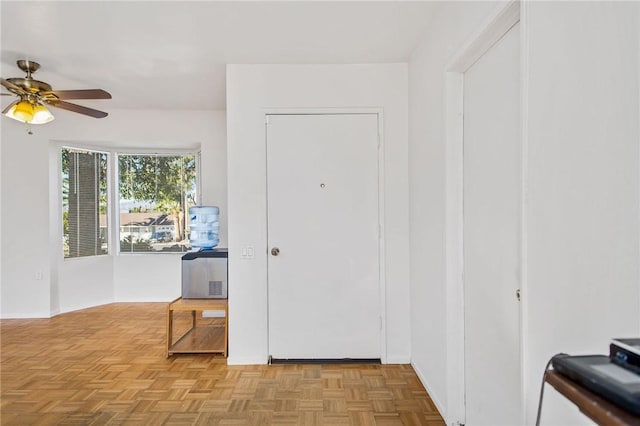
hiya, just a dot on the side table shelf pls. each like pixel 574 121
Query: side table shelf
pixel 198 338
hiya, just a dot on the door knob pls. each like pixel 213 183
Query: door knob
pixel 275 251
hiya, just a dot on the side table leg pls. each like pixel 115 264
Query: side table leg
pixel 169 329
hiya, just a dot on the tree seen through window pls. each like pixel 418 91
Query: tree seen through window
pixel 156 192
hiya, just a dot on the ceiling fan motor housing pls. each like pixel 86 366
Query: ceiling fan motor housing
pixel 29 84
pixel 28 66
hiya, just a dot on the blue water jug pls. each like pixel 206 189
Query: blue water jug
pixel 204 228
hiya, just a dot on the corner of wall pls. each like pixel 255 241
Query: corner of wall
pixel 442 409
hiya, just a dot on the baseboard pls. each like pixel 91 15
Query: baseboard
pixel 80 307
pixel 398 360
pixel 23 315
pixel 334 361
pixel 67 309
pixel 250 360
pixel 432 395
pixel 213 314
pixel 144 300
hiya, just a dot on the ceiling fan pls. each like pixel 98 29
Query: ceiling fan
pixel 34 96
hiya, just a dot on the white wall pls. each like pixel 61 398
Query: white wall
pixel 583 280
pixel 449 29
pixel 251 89
pixel 25 223
pixel 582 232
pixel 80 283
pixel 147 278
pixel 30 215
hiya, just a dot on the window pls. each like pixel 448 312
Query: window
pixel 84 202
pixel 155 193
pixel 151 193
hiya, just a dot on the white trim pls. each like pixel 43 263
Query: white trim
pixel 382 257
pixel 453 247
pixel 504 17
pixel 398 359
pixel 129 148
pixel 247 360
pixel 23 315
pixel 198 197
pixel 322 110
pixel 381 202
pixel 139 300
pixel 524 180
pixel 78 307
pixel 56 248
pixel 157 152
pixel 113 216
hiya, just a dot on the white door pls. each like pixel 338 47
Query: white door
pixel 491 229
pixel 324 292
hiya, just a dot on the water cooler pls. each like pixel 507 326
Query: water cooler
pixel 204 274
pixel 204 270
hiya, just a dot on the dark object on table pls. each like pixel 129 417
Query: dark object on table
pixel 598 374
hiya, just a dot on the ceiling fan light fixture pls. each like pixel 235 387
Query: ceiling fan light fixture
pixel 41 115
pixel 22 111
pixel 26 112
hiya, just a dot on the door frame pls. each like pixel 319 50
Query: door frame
pixel 499 22
pixel 381 203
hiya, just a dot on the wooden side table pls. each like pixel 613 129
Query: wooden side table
pixel 593 406
pixel 198 338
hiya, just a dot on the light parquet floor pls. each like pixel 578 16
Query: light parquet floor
pixel 107 366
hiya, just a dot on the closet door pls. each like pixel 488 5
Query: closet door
pixel 491 229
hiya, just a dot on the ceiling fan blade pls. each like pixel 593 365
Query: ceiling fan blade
pixel 11 86
pixel 6 110
pixel 79 109
pixel 6 94
pixel 79 94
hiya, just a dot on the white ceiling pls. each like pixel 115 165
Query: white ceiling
pixel 172 55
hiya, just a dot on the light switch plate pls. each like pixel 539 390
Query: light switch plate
pixel 247 252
